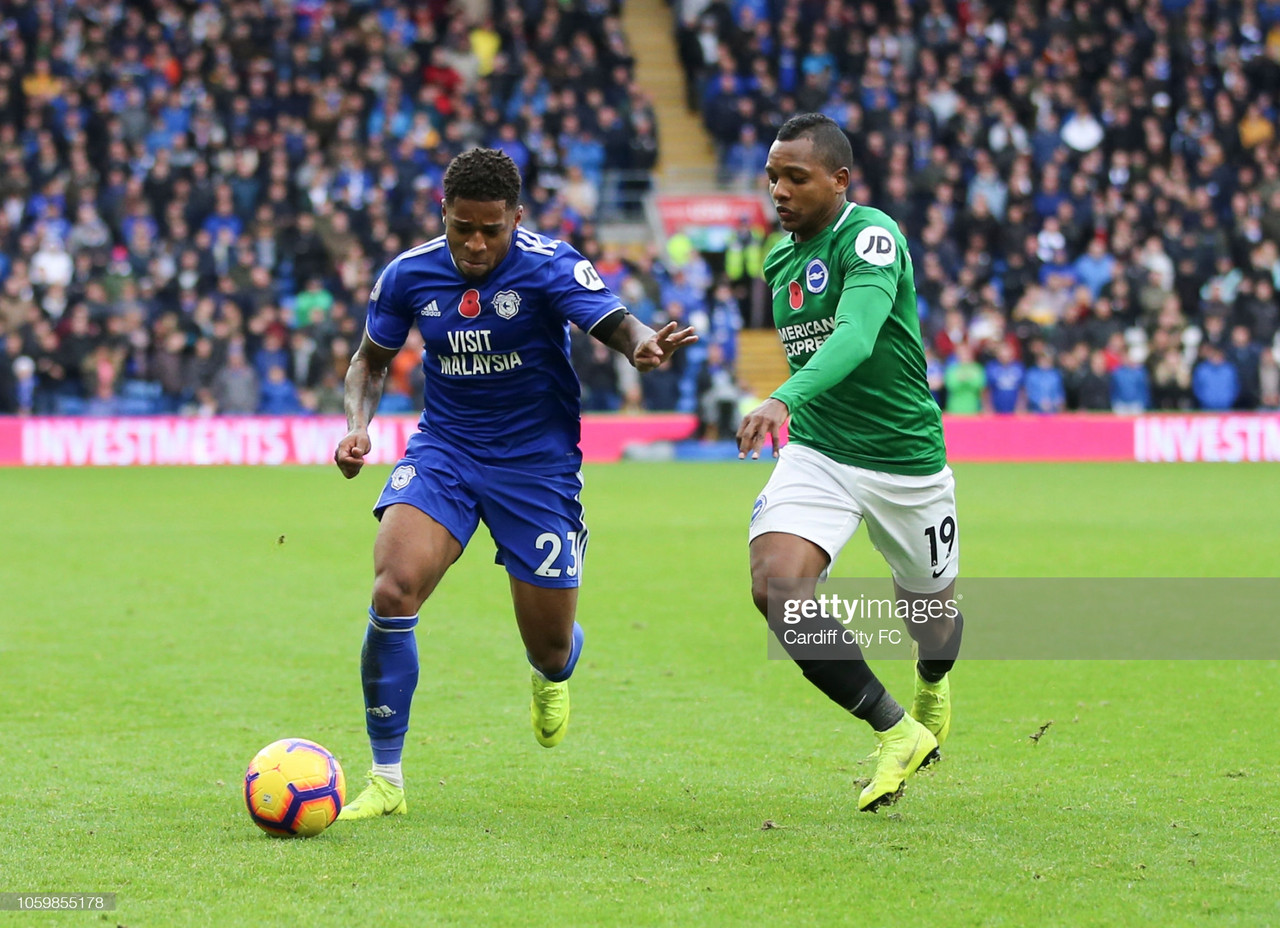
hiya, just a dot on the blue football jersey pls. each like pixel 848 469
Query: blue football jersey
pixel 499 384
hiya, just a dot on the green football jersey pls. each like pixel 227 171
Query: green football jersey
pixel 844 303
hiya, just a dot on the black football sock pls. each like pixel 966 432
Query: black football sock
pixel 933 665
pixel 851 685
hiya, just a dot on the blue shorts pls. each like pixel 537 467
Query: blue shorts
pixel 534 519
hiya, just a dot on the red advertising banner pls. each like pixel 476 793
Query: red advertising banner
pixel 1038 438
pixel 1244 437
pixel 711 209
pixel 1164 438
pixel 124 442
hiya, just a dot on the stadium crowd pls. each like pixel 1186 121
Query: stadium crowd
pixel 196 197
pixel 1091 190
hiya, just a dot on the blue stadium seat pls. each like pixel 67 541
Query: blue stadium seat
pixel 68 406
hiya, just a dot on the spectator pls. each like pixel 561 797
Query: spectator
pixel 17 372
pixel 279 395
pixel 51 265
pixel 1246 357
pixel 1082 132
pixel 313 304
pixel 987 187
pixel 235 388
pixel 167 368
pixel 580 194
pixel 1130 387
pixel 1096 267
pixel 1004 376
pixel 965 380
pixel 725 321
pixel 101 372
pixel 1256 307
pixel 25 385
pixel 1043 385
pixel 1095 387
pixel 327 398
pixel 199 371
pixel 598 374
pixel 1170 381
pixel 661 387
pixel 271 354
pixel 744 161
pixel 404 378
pixel 1214 382
pixel 1269 380
pixel 718 397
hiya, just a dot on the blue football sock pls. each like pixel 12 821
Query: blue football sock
pixel 389 672
pixel 575 650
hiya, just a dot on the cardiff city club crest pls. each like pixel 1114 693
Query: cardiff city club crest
pixel 506 303
pixel 402 475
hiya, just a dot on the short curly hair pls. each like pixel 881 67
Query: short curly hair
pixel 484 175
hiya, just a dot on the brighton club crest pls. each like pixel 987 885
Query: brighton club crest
pixel 506 303
pixel 815 276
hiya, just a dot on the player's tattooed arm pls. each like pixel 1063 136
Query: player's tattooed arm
pixel 366 378
pixel 645 348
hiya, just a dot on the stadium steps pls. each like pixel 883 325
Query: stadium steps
pixel 686 156
pixel 761 363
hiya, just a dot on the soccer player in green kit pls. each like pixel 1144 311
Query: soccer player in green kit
pixel 865 441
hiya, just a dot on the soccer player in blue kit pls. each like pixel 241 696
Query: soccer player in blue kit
pixel 497 441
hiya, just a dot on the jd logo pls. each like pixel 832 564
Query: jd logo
pixel 875 245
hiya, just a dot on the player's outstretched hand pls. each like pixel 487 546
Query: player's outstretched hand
pixel 664 343
pixel 763 421
pixel 351 451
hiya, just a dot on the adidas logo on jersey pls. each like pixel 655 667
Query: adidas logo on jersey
pixel 431 309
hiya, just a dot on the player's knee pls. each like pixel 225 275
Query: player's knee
pixel 760 594
pixel 551 656
pixel 770 583
pixel 395 594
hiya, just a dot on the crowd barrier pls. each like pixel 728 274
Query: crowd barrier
pixel 69 441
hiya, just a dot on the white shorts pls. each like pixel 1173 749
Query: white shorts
pixel 910 520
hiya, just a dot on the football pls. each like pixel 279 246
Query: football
pixel 294 788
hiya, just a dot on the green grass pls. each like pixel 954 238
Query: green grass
pixel 159 626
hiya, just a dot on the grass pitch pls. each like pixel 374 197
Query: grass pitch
pixel 159 626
